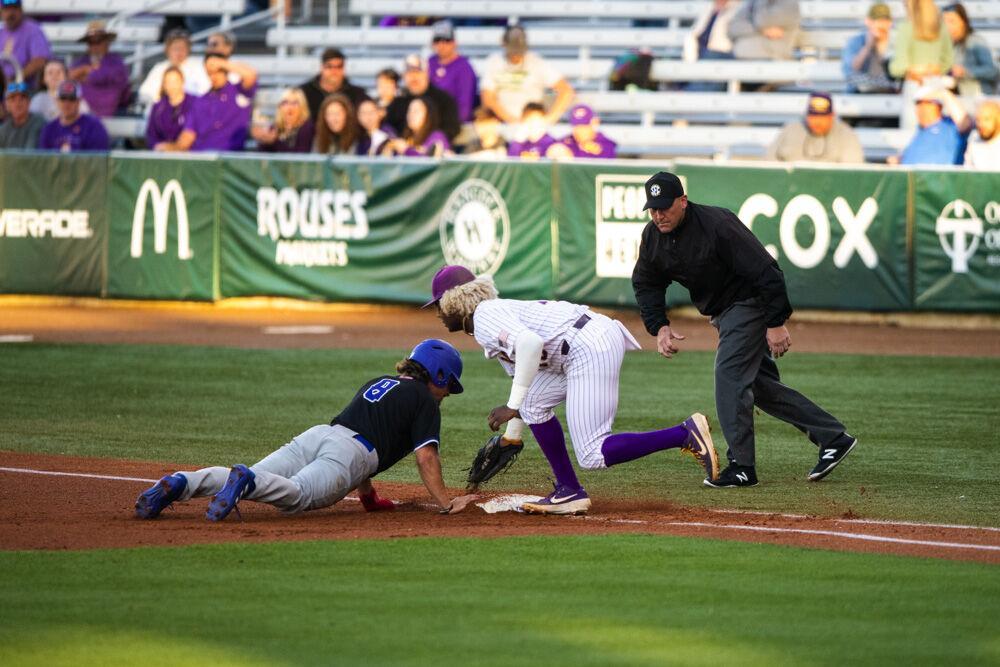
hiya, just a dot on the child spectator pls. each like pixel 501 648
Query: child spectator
pixel 292 131
pixel 169 114
pixel 103 75
pixel 73 131
pixel 337 130
pixel 451 71
pixel 489 142
pixel 46 101
pixel 373 133
pixel 973 66
pixel 533 137
pixel 421 137
pixel 586 141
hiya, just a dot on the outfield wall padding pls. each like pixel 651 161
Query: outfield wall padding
pixel 138 225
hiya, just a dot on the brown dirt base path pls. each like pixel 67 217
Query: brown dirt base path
pixel 73 512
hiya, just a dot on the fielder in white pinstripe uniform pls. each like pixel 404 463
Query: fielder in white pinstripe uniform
pixel 558 351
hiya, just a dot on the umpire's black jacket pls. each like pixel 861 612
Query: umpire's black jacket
pixel 716 258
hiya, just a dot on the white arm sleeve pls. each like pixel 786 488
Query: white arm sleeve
pixel 527 356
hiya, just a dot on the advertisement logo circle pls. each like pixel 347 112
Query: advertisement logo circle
pixel 475 227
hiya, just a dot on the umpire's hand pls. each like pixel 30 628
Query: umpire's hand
pixel 778 341
pixel 665 342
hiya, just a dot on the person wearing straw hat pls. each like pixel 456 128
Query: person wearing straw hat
pixel 102 75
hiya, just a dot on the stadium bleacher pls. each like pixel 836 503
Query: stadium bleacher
pixel 581 40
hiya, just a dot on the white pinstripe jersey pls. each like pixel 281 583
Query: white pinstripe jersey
pixel 498 322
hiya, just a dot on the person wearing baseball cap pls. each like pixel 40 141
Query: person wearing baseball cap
pixel 451 71
pixel 585 141
pixel 21 128
pixel 943 129
pixel 103 75
pixel 819 137
pixel 733 280
pixel 417 83
pixel 865 58
pixel 73 131
pixel 517 77
pixel 22 39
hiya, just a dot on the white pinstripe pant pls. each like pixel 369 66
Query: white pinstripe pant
pixel 588 383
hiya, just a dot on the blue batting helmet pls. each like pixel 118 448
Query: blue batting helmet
pixel 442 362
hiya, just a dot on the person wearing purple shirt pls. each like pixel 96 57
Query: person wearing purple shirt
pixel 421 137
pixel 168 115
pixel 292 131
pixel 220 120
pixel 72 131
pixel 452 72
pixel 103 75
pixel 22 39
pixel 585 141
pixel 533 141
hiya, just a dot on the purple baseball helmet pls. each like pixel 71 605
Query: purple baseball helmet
pixel 448 276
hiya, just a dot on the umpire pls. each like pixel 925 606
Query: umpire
pixel 734 281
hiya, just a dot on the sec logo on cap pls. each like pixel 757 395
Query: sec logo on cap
pixel 654 190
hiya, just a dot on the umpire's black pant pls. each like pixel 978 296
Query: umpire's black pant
pixel 746 375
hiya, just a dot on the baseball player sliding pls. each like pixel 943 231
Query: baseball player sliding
pixel 389 417
pixel 557 351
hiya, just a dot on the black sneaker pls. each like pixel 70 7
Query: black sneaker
pixel 733 476
pixel 829 457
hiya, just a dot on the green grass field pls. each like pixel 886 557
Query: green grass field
pixel 928 427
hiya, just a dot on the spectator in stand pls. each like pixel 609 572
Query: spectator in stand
pixel 765 29
pixel 451 72
pixel 103 75
pixel 221 42
pixel 373 133
pixel 73 131
pixel 942 133
pixel 984 150
pixel 921 49
pixel 337 129
pixel 488 142
pixel 21 128
pixel 417 83
pixel 292 131
pixel 386 89
pixel 865 59
pixel 421 136
pixel 221 118
pixel 46 101
pixel 331 79
pixel 533 140
pixel 518 77
pixel 22 39
pixel 170 113
pixel 177 48
pixel 709 36
pixel 586 141
pixel 973 67
pixel 820 137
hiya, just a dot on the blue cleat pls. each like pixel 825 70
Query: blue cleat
pixel 239 484
pixel 160 496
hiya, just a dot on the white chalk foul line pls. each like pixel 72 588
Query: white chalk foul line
pixel 875 522
pixel 836 533
pixel 305 329
pixel 16 338
pixel 76 474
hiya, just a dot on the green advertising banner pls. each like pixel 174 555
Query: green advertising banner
pixel 957 241
pixel 363 230
pixel 163 230
pixel 840 236
pixel 53 223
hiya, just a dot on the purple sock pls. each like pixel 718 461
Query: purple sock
pixel 553 444
pixel 630 446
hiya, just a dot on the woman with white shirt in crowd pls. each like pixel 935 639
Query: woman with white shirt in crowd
pixel 177 48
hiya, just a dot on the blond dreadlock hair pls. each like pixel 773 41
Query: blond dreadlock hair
pixel 463 299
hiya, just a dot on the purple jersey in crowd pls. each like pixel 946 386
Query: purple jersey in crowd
pixel 458 79
pixel 299 141
pixel 221 118
pixel 427 148
pixel 166 122
pixel 106 87
pixel 599 146
pixel 86 133
pixel 530 148
pixel 24 44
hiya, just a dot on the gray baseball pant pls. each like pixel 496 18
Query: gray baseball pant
pixel 316 469
pixel 746 375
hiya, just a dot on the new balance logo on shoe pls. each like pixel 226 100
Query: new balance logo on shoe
pixel 829 454
pixel 742 476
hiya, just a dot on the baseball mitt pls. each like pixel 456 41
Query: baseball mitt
pixel 492 459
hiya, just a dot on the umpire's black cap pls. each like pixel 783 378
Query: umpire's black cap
pixel 662 189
